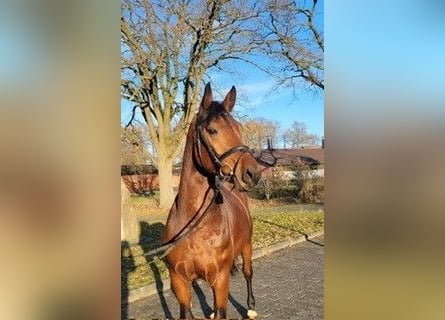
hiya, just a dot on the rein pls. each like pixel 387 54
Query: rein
pixel 217 197
pixel 188 228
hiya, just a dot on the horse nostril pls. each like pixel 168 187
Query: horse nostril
pixel 248 176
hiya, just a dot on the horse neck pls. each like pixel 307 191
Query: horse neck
pixel 193 185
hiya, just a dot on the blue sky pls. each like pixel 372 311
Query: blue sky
pixel 285 108
pixel 258 99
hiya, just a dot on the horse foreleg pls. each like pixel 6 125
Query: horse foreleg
pixel 183 292
pixel 248 273
pixel 220 290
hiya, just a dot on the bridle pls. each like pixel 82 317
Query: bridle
pixel 223 172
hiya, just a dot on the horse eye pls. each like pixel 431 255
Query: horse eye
pixel 212 131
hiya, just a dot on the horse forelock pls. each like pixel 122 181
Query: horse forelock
pixel 213 111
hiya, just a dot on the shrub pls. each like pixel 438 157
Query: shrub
pixel 311 190
pixel 309 187
pixel 292 184
pixel 273 184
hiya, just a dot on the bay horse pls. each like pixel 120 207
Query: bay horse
pixel 210 214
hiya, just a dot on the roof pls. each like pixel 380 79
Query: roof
pixel 311 156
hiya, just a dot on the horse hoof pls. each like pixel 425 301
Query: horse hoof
pixel 251 314
pixel 212 316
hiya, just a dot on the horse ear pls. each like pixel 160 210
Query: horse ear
pixel 207 98
pixel 229 101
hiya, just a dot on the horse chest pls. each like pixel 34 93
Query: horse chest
pixel 204 254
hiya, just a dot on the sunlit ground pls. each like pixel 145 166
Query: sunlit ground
pixel 274 221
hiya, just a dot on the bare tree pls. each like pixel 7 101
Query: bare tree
pixel 168 47
pixel 135 145
pixel 298 136
pixel 257 131
pixel 295 41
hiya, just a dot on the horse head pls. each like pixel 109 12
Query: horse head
pixel 220 146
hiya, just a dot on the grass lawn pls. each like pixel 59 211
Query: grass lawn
pixel 272 223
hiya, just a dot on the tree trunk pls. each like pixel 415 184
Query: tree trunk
pixel 166 194
pixel 130 230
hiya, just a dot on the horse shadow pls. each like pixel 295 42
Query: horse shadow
pixel 150 238
pixel 127 266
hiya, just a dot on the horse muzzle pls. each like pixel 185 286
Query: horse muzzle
pixel 247 178
pixel 251 177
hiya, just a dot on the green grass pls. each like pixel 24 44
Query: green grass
pixel 273 227
pixel 271 224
